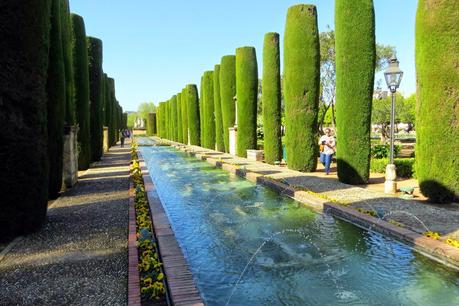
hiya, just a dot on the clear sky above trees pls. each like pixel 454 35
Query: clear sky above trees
pixel 153 48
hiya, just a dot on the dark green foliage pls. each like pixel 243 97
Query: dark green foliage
pixel 179 118
pixel 404 166
pixel 193 114
pixel 271 99
pixel 207 99
pixel 151 124
pixel 125 117
pixel 106 100
pixel 437 69
pixel 355 68
pixel 218 111
pixel 55 89
pixel 67 46
pixel 383 151
pixel 168 120
pixel 184 117
pixel 162 120
pixel 80 64
pixel 227 94
pixel 201 112
pixel 24 32
pixel 96 96
pixel 302 84
pixel 110 112
pixel 247 94
pixel 174 129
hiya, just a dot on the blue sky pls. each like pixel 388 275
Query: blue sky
pixel 154 48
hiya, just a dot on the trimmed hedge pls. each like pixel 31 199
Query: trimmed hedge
pixel 193 114
pixel 80 57
pixel 437 124
pixel 111 111
pixel 96 97
pixel 173 117
pixel 151 124
pixel 404 166
pixel 201 112
pixel 227 94
pixel 179 118
pixel 55 89
pixel 24 29
pixel 66 29
pixel 218 111
pixel 355 69
pixel 271 99
pixel 184 117
pixel 301 87
pixel 207 99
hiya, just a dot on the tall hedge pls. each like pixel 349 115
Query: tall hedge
pixel 201 112
pixel 247 94
pixel 55 89
pixel 184 116
pixel 218 111
pixel 158 120
pixel 193 114
pixel 174 118
pixel 110 111
pixel 208 110
pixel 151 124
pixel 301 86
pixel 355 68
pixel 106 101
pixel 162 120
pixel 80 64
pixel 271 95
pixel 24 29
pixel 437 69
pixel 66 29
pixel 179 118
pixel 227 94
pixel 168 119
pixel 96 96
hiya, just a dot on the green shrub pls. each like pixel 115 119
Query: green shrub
pixel 80 57
pixel 173 116
pixel 383 151
pixel 66 29
pixel 270 129
pixel 247 94
pixel 404 166
pixel 218 111
pixel 301 86
pixel 207 99
pixel 24 32
pixel 193 114
pixel 184 117
pixel 227 94
pixel 437 45
pixel 179 118
pixel 151 124
pixel 96 97
pixel 355 68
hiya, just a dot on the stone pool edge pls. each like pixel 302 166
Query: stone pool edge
pixel 431 248
pixel 181 285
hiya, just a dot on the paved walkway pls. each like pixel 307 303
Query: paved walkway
pixel 80 256
pixel 419 216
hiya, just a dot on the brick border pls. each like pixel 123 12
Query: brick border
pixel 431 248
pixel 133 256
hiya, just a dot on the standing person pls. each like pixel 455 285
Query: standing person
pixel 327 149
pixel 123 135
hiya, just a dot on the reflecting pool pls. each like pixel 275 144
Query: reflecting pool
pixel 247 245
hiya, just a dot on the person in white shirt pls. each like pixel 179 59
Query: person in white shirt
pixel 327 149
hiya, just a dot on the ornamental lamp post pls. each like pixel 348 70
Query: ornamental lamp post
pixel 393 76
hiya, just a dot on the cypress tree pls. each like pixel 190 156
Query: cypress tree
pixel 158 120
pixel 184 117
pixel 302 84
pixel 218 111
pixel 208 110
pixel 162 120
pixel 355 68
pixel 110 111
pixel 151 124
pixel 24 31
pixel 437 69
pixel 271 99
pixel 247 92
pixel 174 118
pixel 168 119
pixel 179 118
pixel 125 116
pixel 193 113
pixel 201 112
pixel 80 57
pixel 227 94
pixel 55 89
pixel 96 96
pixel 66 29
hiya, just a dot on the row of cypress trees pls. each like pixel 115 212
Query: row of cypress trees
pixel 51 79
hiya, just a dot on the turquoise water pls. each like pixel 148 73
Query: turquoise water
pixel 247 245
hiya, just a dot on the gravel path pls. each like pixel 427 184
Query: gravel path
pixel 80 256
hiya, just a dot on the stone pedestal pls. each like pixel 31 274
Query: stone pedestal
pixel 105 141
pixel 232 140
pixel 70 163
pixel 390 185
pixel 256 155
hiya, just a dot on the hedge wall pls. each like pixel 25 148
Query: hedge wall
pixel 151 124
pixel 271 94
pixel 174 118
pixel 207 99
pixel 184 116
pixel 179 118
pixel 247 94
pixel 218 111
pixel 24 28
pixel 66 29
pixel 437 69
pixel 301 87
pixel 193 114
pixel 355 69
pixel 227 94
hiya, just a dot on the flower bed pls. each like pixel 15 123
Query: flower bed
pixel 152 281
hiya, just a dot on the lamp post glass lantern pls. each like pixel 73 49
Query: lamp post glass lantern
pixel 393 76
